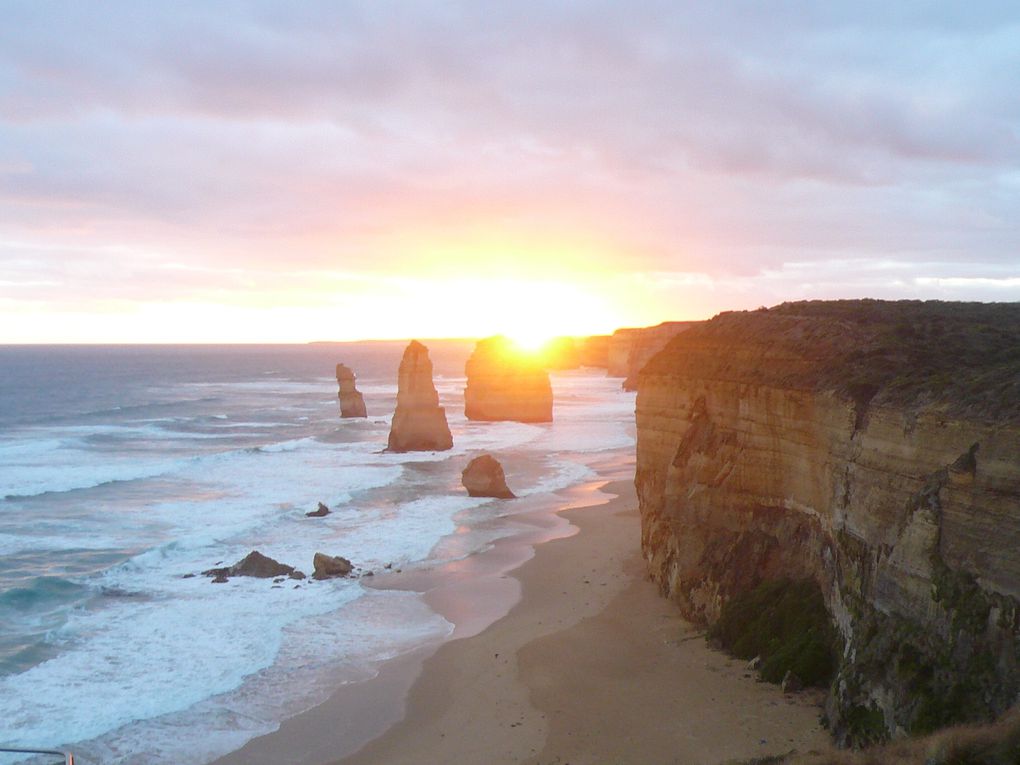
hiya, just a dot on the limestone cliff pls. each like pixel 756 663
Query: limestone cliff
pixel 871 447
pixel 503 384
pixel 352 403
pixel 630 349
pixel 419 423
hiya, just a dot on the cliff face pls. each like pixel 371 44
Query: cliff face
pixel 871 447
pixel 419 423
pixel 504 385
pixel 630 349
pixel 352 403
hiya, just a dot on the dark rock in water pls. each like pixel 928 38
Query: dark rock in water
pixel 352 403
pixel 329 566
pixel 318 513
pixel 254 564
pixel 483 477
pixel 419 423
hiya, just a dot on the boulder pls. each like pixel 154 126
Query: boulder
pixel 319 512
pixel 254 564
pixel 330 566
pixel 505 384
pixel 483 477
pixel 791 683
pixel 419 423
pixel 352 403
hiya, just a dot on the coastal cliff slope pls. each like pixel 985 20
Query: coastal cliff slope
pixel 872 448
pixel 630 349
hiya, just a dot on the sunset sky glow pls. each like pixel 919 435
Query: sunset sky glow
pixel 278 172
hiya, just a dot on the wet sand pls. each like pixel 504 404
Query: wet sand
pixel 569 656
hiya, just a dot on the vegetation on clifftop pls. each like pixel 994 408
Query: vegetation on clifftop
pixel 963 357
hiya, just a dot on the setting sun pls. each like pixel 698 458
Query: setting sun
pixel 530 340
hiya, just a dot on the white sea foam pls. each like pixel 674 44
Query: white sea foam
pixel 375 626
pixel 66 468
pixel 148 658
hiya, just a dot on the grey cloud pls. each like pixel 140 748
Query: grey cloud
pixel 728 136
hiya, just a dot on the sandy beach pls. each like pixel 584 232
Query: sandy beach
pixel 589 665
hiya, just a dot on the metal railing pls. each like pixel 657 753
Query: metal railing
pixel 66 757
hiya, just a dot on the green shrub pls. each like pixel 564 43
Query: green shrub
pixel 785 623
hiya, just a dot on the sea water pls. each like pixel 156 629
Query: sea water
pixel 127 471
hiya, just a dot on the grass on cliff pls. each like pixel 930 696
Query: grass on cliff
pixel 785 623
pixel 993 744
pixel 963 357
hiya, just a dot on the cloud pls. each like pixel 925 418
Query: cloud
pixel 719 139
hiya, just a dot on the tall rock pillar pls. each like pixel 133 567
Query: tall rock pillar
pixel 352 403
pixel 419 423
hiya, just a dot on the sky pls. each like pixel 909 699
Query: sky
pixel 284 172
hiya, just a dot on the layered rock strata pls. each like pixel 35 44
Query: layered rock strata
pixel 484 477
pixel 352 403
pixel 419 423
pixel 873 448
pixel 504 384
pixel 630 349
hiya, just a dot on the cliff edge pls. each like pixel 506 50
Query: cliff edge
pixel 872 448
pixel 628 350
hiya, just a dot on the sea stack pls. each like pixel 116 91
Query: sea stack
pixel 352 403
pixel 484 477
pixel 504 384
pixel 419 423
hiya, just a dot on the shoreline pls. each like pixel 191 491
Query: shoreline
pixel 572 657
pixel 472 593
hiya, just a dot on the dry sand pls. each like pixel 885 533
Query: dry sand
pixel 590 665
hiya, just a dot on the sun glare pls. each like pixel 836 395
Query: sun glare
pixel 531 341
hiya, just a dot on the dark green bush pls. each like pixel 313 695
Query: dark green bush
pixel 785 623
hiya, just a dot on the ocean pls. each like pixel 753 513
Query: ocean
pixel 125 471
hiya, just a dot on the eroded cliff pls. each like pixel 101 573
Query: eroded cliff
pixel 630 349
pixel 871 447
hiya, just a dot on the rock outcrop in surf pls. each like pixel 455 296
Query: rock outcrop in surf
pixel 254 564
pixel 419 423
pixel 484 477
pixel 352 403
pixel 505 384
pixel 330 566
